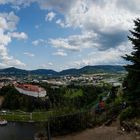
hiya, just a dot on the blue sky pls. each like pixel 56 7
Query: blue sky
pixel 61 34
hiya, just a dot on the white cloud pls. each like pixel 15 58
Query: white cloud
pixel 3 51
pixel 110 56
pixel 8 22
pixel 60 53
pixel 11 61
pixel 7 61
pixel 109 18
pixel 49 64
pixel 3 23
pixel 105 16
pixel 50 16
pixel 61 43
pixel 18 35
pixel 17 4
pixel 4 39
pixel 61 23
pixel 94 18
pixel 29 54
pixel 76 42
pixel 100 15
pixel 39 42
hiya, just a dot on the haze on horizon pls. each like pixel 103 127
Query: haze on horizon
pixel 62 34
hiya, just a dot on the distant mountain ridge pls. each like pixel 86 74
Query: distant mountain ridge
pixel 95 69
pixel 84 70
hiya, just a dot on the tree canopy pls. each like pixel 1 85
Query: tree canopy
pixel 132 81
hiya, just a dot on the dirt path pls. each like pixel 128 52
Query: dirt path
pixel 99 133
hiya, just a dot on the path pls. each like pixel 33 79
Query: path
pixel 99 133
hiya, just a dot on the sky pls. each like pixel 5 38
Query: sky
pixel 62 34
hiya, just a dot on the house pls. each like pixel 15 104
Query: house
pixel 31 90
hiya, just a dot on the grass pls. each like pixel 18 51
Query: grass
pixel 15 117
pixel 73 93
pixel 40 116
pixel 25 116
pixel 37 116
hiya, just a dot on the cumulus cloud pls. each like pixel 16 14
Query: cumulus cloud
pixel 112 56
pixel 6 60
pixel 39 42
pixel 82 13
pixel 111 24
pixel 110 17
pixel 50 16
pixel 60 53
pixel 29 54
pixel 17 4
pixel 19 36
pixel 8 22
pixel 61 23
pixel 61 43
pixel 11 61
pixel 4 39
pixel 75 42
pixel 49 64
pixel 104 25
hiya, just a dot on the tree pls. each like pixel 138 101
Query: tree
pixel 132 81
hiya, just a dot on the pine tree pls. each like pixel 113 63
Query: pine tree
pixel 132 81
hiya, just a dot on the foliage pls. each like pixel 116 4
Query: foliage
pixel 73 96
pixel 61 100
pixel 14 100
pixel 128 113
pixel 114 106
pixel 73 93
pixel 132 81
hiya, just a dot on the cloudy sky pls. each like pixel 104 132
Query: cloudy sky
pixel 61 34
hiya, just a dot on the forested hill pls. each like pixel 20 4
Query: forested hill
pixel 94 69
pixel 84 70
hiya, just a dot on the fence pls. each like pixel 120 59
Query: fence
pixel 65 124
pixel 69 123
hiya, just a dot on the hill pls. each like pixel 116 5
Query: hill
pixel 43 72
pixel 13 71
pixel 94 69
pixel 49 72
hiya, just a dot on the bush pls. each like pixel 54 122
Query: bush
pixel 114 108
pixel 128 113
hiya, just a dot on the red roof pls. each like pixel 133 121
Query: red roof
pixel 30 87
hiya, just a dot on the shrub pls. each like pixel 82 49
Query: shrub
pixel 128 113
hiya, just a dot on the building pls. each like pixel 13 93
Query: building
pixel 31 90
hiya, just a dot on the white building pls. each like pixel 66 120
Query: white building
pixel 31 90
